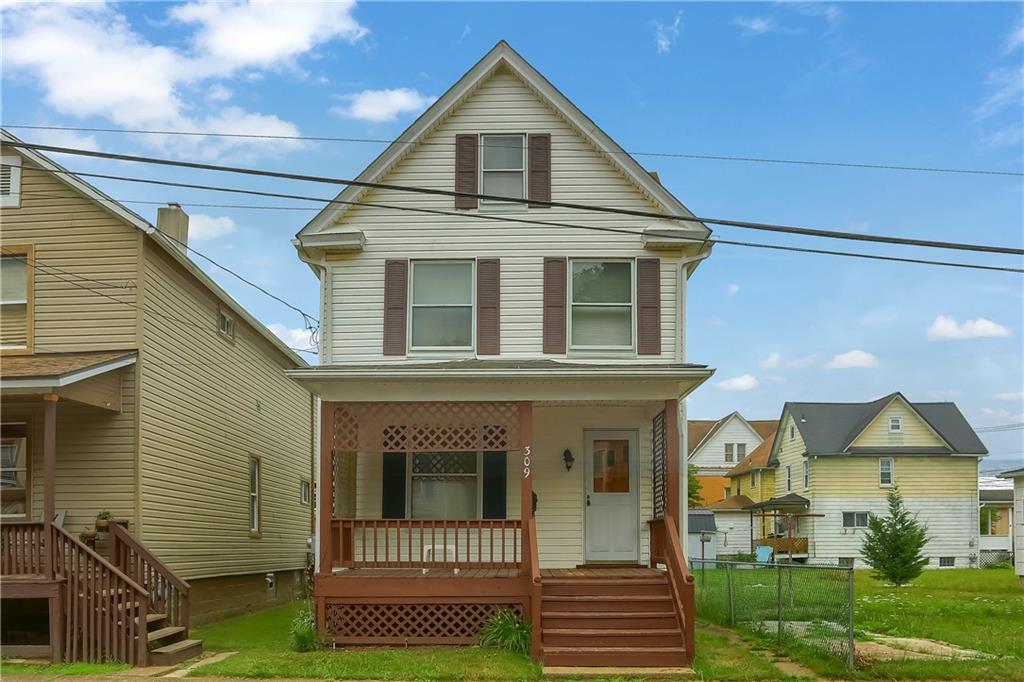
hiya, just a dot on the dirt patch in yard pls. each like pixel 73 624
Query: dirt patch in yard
pixel 885 648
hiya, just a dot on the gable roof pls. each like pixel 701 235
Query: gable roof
pixel 759 458
pixel 699 431
pixel 831 428
pixel 502 55
pixel 732 503
pixel 132 218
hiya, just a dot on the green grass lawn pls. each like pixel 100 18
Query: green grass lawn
pixel 50 672
pixel 719 658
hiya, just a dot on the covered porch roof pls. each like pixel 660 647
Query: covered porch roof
pixel 790 500
pixel 83 377
pixel 474 379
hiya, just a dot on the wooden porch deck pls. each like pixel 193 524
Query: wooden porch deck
pixel 490 573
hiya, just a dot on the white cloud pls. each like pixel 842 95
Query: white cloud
pixel 88 61
pixel 466 30
pixel 1006 136
pixel 851 360
pixel 774 360
pixel 665 34
pixel 754 26
pixel 1014 39
pixel 771 361
pixel 832 14
pixel 65 138
pixel 202 227
pixel 293 337
pixel 732 289
pixel 1001 415
pixel 1011 396
pixel 744 382
pixel 383 105
pixel 1005 87
pixel 945 327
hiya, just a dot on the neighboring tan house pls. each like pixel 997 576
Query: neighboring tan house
pixel 1017 476
pixel 133 384
pixel 718 445
pixel 836 462
pixel 475 366
pixel 995 525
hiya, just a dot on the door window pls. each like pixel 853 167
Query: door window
pixel 611 466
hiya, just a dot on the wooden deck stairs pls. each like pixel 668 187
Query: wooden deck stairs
pixel 614 621
pixel 169 644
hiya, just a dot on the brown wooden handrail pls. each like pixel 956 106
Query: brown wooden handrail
pixel 666 548
pixel 531 555
pixel 426 543
pixel 168 594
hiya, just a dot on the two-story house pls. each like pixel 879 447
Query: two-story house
pixel 500 380
pixel 132 384
pixel 836 462
pixel 718 445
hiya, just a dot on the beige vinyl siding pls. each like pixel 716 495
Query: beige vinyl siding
pixel 209 405
pixel 560 510
pixel 95 456
pixel 502 103
pixel 81 239
pixel 916 476
pixel 13 324
pixel 790 453
pixel 915 431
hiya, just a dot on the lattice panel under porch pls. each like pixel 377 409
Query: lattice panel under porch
pixel 407 623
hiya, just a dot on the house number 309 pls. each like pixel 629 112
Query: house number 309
pixel 526 461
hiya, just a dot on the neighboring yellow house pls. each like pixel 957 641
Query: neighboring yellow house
pixel 168 403
pixel 738 519
pixel 835 463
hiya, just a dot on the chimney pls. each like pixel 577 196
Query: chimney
pixel 173 223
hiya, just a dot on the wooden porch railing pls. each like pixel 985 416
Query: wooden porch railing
pixel 104 610
pixel 531 568
pixel 168 594
pixel 784 545
pixel 22 548
pixel 426 543
pixel 666 549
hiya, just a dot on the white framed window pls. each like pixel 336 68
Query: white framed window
pixel 792 432
pixel 729 452
pixel 16 295
pixel 885 472
pixel 225 323
pixel 441 305
pixel 855 519
pixel 754 476
pixel 255 489
pixel 14 480
pixel 807 474
pixel 895 424
pixel 10 181
pixel 601 296
pixel 445 485
pixel 503 166
pixel 947 562
pixel 305 490
pixel 789 478
pixel 995 521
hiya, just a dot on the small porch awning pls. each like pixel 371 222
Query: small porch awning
pixel 790 500
pixel 82 377
pixel 501 380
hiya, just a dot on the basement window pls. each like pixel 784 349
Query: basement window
pixel 947 562
pixel 846 561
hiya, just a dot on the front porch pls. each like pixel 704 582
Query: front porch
pixel 442 513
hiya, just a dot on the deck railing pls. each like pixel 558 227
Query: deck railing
pixel 427 543
pixel 168 594
pixel 666 549
pixel 784 545
pixel 22 548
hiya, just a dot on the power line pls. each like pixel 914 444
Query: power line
pixel 57 272
pixel 768 227
pixel 1019 426
pixel 671 155
pixel 527 221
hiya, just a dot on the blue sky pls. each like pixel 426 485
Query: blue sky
pixel 910 84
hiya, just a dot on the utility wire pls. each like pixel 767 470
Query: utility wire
pixel 1000 428
pixel 768 227
pixel 612 152
pixel 527 221
pixel 57 272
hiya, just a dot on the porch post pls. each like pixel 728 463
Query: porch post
pixel 49 474
pixel 526 441
pixel 325 488
pixel 672 481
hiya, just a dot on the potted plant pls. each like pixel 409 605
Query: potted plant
pixel 103 520
pixel 88 535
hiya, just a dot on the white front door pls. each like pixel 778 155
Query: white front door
pixel 612 523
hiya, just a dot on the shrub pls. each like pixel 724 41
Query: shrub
pixel 303 633
pixel 506 629
pixel 1001 565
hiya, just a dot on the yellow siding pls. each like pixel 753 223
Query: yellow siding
pixel 75 239
pixel 915 431
pixel 208 405
pixel 790 453
pixel 95 456
pixel 921 477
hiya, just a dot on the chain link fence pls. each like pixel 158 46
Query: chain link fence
pixel 797 604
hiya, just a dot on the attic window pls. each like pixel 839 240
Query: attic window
pixel 503 165
pixel 10 181
pixel 225 324
pixel 895 424
pixel 792 432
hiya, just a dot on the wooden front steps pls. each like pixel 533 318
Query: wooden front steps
pixel 168 644
pixel 621 621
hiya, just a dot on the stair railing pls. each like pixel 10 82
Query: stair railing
pixel 531 569
pixel 667 549
pixel 168 594
pixel 105 611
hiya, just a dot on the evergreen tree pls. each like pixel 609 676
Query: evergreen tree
pixel 693 488
pixel 893 545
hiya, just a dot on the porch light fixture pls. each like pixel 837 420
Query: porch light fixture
pixel 568 459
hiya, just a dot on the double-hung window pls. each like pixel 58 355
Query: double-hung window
pixel 729 452
pixel 15 298
pixel 885 476
pixel 601 298
pixel 255 486
pixel 503 165
pixel 441 305
pixel 14 485
pixel 855 519
pixel 789 478
pixel 807 474
pixel 895 424
pixel 444 485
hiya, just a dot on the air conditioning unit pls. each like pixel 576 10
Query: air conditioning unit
pixel 434 554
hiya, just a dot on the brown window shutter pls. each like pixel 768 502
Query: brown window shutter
pixel 540 168
pixel 396 292
pixel 488 306
pixel 467 167
pixel 554 304
pixel 648 306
